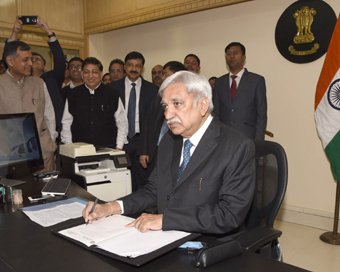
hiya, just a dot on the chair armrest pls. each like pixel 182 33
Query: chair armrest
pixel 255 238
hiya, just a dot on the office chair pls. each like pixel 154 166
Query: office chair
pixel 271 184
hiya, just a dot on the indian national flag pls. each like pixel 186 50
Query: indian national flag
pixel 327 103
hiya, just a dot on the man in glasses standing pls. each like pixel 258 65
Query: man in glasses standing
pixel 74 68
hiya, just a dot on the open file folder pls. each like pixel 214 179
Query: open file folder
pixel 109 237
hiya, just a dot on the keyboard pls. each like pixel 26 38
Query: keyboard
pixel 56 186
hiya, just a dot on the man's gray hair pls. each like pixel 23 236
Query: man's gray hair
pixel 197 84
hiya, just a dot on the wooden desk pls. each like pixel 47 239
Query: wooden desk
pixel 27 246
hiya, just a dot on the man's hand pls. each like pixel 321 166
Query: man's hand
pixel 144 159
pixel 147 222
pixel 44 26
pixel 16 29
pixel 100 211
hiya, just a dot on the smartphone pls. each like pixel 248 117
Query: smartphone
pixel 29 20
pixel 38 197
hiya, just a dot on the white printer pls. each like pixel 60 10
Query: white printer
pixel 103 172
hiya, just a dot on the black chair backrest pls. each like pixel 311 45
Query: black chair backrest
pixel 271 184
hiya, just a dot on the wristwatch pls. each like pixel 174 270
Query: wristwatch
pixel 52 35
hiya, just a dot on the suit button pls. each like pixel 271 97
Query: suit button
pixel 232 110
pixel 232 122
pixel 167 197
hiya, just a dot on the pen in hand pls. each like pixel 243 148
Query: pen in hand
pixel 93 207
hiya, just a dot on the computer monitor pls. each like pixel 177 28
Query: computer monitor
pixel 20 148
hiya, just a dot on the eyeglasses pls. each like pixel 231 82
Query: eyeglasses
pixel 229 53
pixel 73 67
pixel 117 70
pixel 155 73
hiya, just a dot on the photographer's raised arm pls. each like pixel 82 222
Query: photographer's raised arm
pixel 16 29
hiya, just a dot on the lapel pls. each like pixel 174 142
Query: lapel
pixel 121 89
pixel 242 86
pixel 227 92
pixel 206 145
pixel 176 157
pixel 142 95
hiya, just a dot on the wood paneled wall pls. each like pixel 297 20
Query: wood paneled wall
pixel 106 15
pixel 64 17
pixel 74 20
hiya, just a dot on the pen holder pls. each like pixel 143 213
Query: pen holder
pixel 17 196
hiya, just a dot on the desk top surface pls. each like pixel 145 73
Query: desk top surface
pixel 27 246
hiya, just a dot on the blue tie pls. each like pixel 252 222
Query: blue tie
pixel 186 158
pixel 132 111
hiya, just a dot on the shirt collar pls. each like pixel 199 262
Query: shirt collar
pixel 21 80
pixel 239 74
pixel 92 91
pixel 195 139
pixel 129 82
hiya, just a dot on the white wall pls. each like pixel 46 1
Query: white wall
pixel 290 87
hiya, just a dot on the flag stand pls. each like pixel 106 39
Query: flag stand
pixel 333 237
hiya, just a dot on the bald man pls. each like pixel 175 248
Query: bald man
pixel 157 75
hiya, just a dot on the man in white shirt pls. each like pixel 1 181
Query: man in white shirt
pixel 204 178
pixel 94 112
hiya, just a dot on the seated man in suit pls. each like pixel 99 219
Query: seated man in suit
pixel 204 178
pixel 94 112
pixel 240 96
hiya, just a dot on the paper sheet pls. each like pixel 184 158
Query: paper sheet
pixel 50 214
pixel 110 234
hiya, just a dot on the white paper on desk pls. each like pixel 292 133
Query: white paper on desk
pixel 110 234
pixel 135 243
pixel 99 230
pixel 51 216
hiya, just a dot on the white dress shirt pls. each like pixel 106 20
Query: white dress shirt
pixel 238 79
pixel 196 138
pixel 128 88
pixel 120 118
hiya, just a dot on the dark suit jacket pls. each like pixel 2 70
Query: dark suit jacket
pixel 147 91
pixel 215 190
pixel 248 111
pixel 54 81
pixel 151 129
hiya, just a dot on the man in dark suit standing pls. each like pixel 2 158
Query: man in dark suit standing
pixel 135 93
pixel 240 96
pixel 204 178
pixel 154 125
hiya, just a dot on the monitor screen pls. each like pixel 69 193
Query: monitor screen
pixel 20 148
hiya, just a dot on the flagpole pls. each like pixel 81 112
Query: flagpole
pixel 333 237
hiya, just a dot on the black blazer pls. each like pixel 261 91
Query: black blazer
pixel 248 111
pixel 54 81
pixel 215 190
pixel 151 129
pixel 147 92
